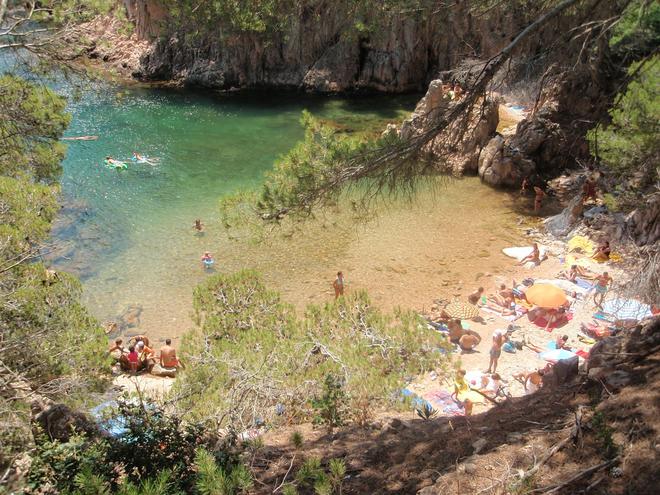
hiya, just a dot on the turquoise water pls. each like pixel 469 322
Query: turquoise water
pixel 128 233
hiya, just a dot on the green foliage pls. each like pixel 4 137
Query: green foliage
pixel 337 468
pixel 603 433
pixel 311 473
pixel 297 439
pixel 630 144
pixel 312 174
pixel 328 407
pixel 33 120
pixel 214 480
pixel 249 353
pixel 39 310
pixel 638 30
pixel 274 16
pixel 289 489
pixel 157 455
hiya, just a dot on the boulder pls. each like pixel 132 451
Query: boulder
pixel 158 370
pixel 58 421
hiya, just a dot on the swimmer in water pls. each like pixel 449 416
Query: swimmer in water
pixel 138 157
pixel 207 259
pixel 198 225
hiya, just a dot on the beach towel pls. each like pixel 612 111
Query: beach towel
pixel 442 402
pixel 556 355
pixel 416 401
pixel 583 284
pixel 581 244
pixel 542 322
pixel 627 309
pixel 582 353
pixel 520 252
pixel 498 314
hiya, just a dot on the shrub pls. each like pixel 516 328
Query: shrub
pixel 249 353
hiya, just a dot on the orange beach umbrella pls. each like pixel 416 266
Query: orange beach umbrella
pixel 546 296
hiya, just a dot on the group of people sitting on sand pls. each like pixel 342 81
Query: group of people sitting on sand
pixel 138 356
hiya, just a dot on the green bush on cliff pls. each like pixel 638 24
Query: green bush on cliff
pixel 156 454
pixel 268 16
pixel 251 358
pixel 49 345
pixel 629 144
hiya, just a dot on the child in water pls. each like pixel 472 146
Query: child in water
pixel 198 225
pixel 207 259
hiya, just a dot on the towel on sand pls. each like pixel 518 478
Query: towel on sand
pixel 520 252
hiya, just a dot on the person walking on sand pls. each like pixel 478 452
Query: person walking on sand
pixel 602 284
pixel 495 350
pixel 538 198
pixel 338 285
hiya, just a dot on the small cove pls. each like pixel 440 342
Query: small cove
pixel 128 234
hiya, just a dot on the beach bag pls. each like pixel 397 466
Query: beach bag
pixel 509 347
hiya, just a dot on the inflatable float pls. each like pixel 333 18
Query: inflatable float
pixel 116 164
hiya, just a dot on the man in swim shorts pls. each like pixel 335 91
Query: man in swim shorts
pixel 168 357
pixel 602 284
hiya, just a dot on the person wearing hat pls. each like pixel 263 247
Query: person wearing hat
pixel 496 350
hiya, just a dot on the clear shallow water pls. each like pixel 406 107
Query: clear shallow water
pixel 128 234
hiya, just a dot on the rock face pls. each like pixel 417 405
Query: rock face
pixel 322 48
pixel 610 359
pixel 456 150
pixel 643 224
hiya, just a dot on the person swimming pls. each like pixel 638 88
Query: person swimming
pixel 109 161
pixel 198 225
pixel 207 259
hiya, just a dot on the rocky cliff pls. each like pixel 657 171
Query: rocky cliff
pixel 323 48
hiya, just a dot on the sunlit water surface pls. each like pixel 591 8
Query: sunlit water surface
pixel 128 234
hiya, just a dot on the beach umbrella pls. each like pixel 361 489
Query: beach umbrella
pixel 627 309
pixel 461 310
pixel 556 355
pixel 546 296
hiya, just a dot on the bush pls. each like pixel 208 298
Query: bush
pixel 330 405
pixel 157 454
pixel 629 144
pixel 250 357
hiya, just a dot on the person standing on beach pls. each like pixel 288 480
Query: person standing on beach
pixel 495 350
pixel 538 198
pixel 338 285
pixel 602 284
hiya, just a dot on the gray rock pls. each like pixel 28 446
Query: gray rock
pixel 618 379
pixel 479 445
